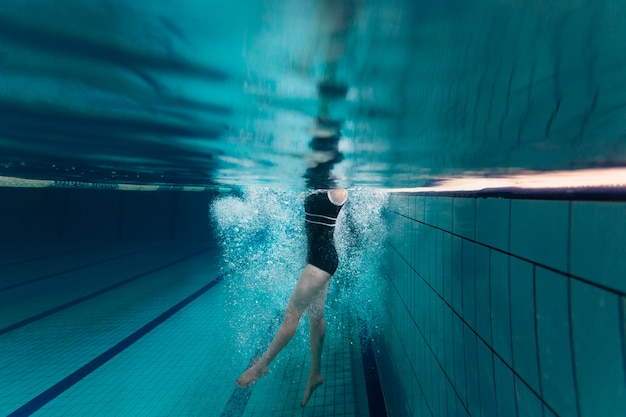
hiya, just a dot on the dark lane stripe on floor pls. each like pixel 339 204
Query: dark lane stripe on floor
pixel 375 398
pixel 57 389
pixel 238 400
pixel 74 269
pixel 72 303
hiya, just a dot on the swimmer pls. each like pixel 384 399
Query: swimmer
pixel 322 209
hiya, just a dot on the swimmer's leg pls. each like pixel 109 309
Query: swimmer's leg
pixel 311 282
pixel 317 334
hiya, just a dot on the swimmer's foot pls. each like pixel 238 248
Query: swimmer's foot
pixel 253 373
pixel 314 382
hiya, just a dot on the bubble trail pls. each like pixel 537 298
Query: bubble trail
pixel 263 242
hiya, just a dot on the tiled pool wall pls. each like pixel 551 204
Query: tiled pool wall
pixel 505 307
pixel 55 214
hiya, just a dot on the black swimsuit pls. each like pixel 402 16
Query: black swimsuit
pixel 321 216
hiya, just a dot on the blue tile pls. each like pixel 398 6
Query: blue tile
pixel 395 228
pixel 457 274
pixel 444 213
pixel 420 210
pixel 505 389
pixel 523 326
pixel 421 355
pixel 492 222
pixel 411 206
pixel 483 295
pixel 469 292
pixel 447 267
pixel 418 245
pixel 460 410
pixel 500 306
pixel 420 294
pixel 459 359
pixel 427 324
pixel 401 204
pixel 598 243
pixel 464 217
pixel 437 330
pixel 555 352
pixel 539 231
pixel 471 373
pixel 434 391
pixel 426 383
pixel 598 350
pixel 430 209
pixel 449 346
pixel 420 254
pixel 432 265
pixel 410 292
pixel 414 350
pixel 391 201
pixel 403 243
pixel 83 224
pixel 443 394
pixel 427 260
pixel 528 404
pixel 443 308
pixel 419 401
pixel 422 257
pixel 439 262
pixel 547 412
pixel 486 381
pixel 452 400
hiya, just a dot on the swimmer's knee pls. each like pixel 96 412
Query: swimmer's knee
pixel 292 318
pixel 316 321
pixel 316 315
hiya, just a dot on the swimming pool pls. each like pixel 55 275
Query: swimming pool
pixel 123 326
pixel 153 164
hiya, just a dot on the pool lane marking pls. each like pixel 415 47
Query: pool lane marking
pixel 66 383
pixel 72 303
pixel 375 397
pixel 238 401
pixel 73 269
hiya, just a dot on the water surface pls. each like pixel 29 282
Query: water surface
pixel 294 94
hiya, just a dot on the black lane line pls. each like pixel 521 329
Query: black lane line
pixel 74 269
pixel 375 398
pixel 72 303
pixel 238 400
pixel 57 389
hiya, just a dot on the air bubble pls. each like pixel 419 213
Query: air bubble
pixel 263 241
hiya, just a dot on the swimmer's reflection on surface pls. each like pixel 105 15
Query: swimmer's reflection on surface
pixel 324 156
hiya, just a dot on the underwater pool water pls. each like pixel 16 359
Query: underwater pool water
pixel 153 164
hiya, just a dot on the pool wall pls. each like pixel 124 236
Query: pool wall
pixel 504 307
pixel 51 214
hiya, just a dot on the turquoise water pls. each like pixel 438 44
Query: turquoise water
pixel 228 93
pixel 116 302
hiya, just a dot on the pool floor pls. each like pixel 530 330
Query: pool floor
pixel 142 329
